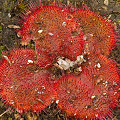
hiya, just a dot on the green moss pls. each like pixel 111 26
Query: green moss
pixel 5 4
pixel 1 104
pixel 61 1
pixel 0 28
pixel 2 48
pixel 22 5
pixel 14 0
pixel 0 53
pixel 10 118
pixel 118 21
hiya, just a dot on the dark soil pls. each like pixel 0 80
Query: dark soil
pixel 9 15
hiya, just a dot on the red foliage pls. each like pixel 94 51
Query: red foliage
pixel 54 30
pixel 98 31
pixel 24 85
pixel 24 82
pixel 80 97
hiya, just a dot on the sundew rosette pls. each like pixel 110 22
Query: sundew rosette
pixel 78 96
pixel 24 86
pixel 54 30
pixel 99 32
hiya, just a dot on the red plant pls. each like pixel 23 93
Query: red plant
pixel 57 33
pixel 101 69
pixel 54 30
pixel 80 97
pixel 24 85
pixel 98 31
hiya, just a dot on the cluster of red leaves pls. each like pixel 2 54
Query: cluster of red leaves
pixel 25 77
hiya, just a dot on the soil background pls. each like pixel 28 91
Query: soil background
pixel 9 18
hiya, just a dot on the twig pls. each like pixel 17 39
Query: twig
pixel 4 112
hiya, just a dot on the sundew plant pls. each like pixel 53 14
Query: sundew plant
pixel 68 65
